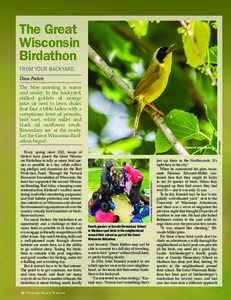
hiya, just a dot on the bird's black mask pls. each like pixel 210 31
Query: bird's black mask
pixel 161 54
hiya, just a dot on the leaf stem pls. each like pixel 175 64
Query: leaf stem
pixel 205 136
pixel 202 148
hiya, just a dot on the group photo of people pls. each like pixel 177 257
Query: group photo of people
pixel 118 190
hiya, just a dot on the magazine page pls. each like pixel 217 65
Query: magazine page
pixel 118 151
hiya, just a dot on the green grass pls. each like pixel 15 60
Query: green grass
pixel 94 175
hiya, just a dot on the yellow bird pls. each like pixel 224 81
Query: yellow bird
pixel 154 81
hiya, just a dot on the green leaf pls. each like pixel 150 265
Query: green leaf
pixel 212 55
pixel 110 90
pixel 211 116
pixel 180 30
pixel 214 24
pixel 162 144
pixel 196 42
pixel 123 146
pixel 96 120
pixel 209 151
pixel 207 92
pixel 140 28
pixel 184 126
pixel 214 139
pixel 108 43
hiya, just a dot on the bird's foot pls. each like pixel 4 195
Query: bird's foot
pixel 157 112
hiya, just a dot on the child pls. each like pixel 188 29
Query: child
pixel 104 215
pixel 128 184
pixel 141 211
pixel 106 195
pixel 134 194
pixel 122 180
pixel 106 174
pixel 135 175
pixel 94 203
pixel 115 181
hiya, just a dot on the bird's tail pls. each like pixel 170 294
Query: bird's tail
pixel 140 107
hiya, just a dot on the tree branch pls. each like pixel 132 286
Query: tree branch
pixel 129 91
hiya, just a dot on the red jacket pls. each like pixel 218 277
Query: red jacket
pixel 135 174
pixel 104 217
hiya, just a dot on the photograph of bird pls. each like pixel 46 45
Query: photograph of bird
pixel 154 82
pixel 134 66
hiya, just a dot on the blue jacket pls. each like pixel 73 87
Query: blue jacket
pixel 95 208
pixel 143 211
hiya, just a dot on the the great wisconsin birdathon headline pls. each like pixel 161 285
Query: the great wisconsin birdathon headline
pixel 29 38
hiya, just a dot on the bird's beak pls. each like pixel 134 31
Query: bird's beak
pixel 170 48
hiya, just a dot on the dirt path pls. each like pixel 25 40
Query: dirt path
pixel 123 208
